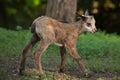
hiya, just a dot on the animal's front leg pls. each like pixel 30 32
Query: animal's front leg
pixel 73 52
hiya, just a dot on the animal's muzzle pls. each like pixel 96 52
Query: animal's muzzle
pixel 94 30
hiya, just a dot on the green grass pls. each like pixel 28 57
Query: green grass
pixel 100 51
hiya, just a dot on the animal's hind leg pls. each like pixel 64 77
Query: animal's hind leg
pixel 63 57
pixel 32 42
pixel 37 55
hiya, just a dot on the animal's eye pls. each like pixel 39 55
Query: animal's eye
pixel 88 24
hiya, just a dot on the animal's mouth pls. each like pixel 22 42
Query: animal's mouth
pixel 94 30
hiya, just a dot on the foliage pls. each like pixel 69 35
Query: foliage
pixel 17 12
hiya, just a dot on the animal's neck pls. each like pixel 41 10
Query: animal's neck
pixel 74 27
pixel 79 25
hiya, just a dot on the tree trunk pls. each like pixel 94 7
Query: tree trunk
pixel 62 10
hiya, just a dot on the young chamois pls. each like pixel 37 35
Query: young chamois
pixel 65 35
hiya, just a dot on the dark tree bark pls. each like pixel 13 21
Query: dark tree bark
pixel 62 10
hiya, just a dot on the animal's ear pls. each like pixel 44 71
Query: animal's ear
pixel 82 17
pixel 86 13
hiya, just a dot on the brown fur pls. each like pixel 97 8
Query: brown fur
pixel 50 31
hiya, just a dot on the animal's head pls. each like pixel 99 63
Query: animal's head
pixel 88 23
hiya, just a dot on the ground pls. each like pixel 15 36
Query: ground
pixel 12 64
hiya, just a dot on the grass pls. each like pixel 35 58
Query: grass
pixel 100 51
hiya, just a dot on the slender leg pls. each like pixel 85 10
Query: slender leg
pixel 32 42
pixel 63 57
pixel 37 56
pixel 74 54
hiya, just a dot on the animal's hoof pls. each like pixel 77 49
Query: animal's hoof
pixel 61 70
pixel 21 72
pixel 87 75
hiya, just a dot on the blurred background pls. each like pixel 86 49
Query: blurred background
pixel 100 52
pixel 21 13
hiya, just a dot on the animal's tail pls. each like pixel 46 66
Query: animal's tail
pixel 33 28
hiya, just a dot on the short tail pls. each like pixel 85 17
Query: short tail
pixel 33 28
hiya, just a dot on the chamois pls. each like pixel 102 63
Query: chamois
pixel 65 35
